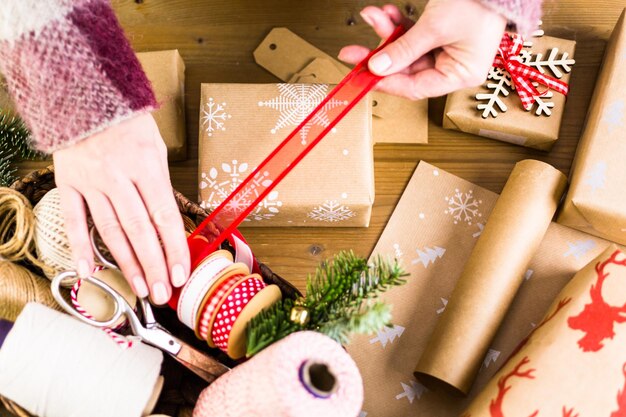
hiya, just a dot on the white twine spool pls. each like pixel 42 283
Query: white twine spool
pixel 304 375
pixel 53 247
pixel 98 380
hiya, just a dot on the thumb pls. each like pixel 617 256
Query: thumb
pixel 398 55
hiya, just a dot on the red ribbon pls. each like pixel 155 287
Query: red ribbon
pixel 523 75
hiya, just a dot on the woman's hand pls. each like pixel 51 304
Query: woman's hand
pixel 122 176
pixel 451 46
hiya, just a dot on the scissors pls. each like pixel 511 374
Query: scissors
pixel 147 328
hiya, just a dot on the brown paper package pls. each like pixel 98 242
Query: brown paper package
pixel 241 124
pixel 6 104
pixel 292 59
pixel 516 125
pixel 493 274
pixel 596 202
pixel 166 72
pixel 574 362
pixel 432 233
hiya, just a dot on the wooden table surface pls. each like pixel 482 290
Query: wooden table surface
pixel 216 39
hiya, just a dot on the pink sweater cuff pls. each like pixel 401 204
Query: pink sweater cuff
pixel 70 69
pixel 524 14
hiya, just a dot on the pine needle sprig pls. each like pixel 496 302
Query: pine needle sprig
pixel 339 301
pixel 14 144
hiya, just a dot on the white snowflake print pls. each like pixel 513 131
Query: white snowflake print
pixel 387 335
pixel 614 115
pixel 331 211
pixel 463 207
pixel 219 185
pixel 596 178
pixel 397 251
pixel 214 116
pixel 480 226
pixel 412 390
pixel 579 248
pixel 529 273
pixel 296 101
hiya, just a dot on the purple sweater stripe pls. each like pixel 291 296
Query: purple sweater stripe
pixel 101 30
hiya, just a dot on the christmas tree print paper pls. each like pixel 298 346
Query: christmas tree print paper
pixel 241 124
pixel 596 202
pixel 419 223
pixel 495 111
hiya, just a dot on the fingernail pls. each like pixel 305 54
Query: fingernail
pixel 141 289
pixel 178 275
pixel 367 18
pixel 83 268
pixel 159 293
pixel 380 62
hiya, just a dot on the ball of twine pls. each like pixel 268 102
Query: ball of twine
pixel 17 228
pixel 19 286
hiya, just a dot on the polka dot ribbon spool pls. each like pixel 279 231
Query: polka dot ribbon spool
pixel 231 308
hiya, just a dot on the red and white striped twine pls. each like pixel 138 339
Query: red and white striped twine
pixel 122 341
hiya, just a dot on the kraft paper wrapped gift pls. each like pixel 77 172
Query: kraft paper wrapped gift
pixel 574 361
pixel 5 101
pixel 596 202
pixel 504 118
pixel 166 72
pixel 241 124
pixel 433 232
pixel 294 60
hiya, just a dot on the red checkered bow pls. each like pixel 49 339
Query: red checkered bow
pixel 521 74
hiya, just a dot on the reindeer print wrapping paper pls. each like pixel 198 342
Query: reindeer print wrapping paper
pixel 432 232
pixel 574 362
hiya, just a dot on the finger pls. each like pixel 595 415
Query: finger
pixel 411 46
pixel 159 200
pixel 140 232
pixel 112 234
pixel 447 76
pixel 75 220
pixel 379 21
pixel 353 54
pixel 396 16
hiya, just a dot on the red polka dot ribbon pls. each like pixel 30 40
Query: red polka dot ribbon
pixel 213 304
pixel 231 308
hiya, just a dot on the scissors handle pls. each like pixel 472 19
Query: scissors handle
pixel 121 306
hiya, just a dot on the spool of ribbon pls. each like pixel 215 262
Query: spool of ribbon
pixel 523 75
pixel 305 374
pixel 220 298
pixel 100 380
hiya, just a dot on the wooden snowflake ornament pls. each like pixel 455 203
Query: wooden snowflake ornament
pixel 534 77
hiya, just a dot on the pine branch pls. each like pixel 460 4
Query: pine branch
pixel 338 302
pixel 14 144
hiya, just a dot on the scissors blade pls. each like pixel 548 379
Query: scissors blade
pixel 200 364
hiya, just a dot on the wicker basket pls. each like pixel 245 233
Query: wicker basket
pixel 181 388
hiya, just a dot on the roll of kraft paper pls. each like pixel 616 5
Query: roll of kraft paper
pixel 491 277
pixel 52 365
pixel 306 374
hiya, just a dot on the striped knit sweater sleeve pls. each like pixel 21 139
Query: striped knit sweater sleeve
pixel 70 69
pixel 524 14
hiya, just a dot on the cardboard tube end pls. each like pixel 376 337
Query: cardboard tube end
pixel 436 384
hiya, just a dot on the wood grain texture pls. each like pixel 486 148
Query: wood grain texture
pixel 216 39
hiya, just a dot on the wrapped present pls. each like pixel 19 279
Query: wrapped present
pixel 433 232
pixel 294 60
pixel 241 124
pixel 523 98
pixel 595 202
pixel 166 72
pixel 573 363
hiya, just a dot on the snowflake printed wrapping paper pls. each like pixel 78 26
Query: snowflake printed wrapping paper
pixel 574 361
pixel 241 124
pixel 596 202
pixel 495 110
pixel 422 233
